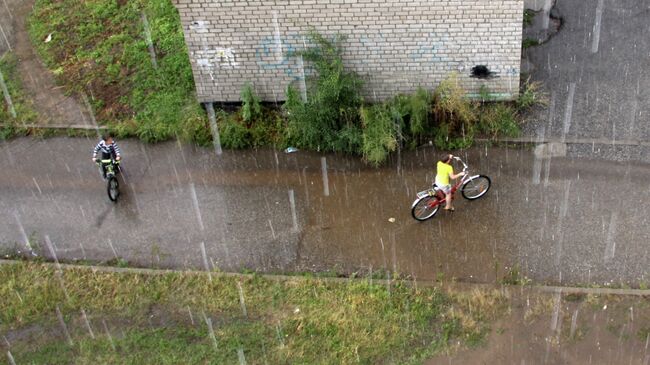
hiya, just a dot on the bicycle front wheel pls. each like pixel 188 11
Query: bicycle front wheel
pixel 425 208
pixel 475 187
pixel 113 188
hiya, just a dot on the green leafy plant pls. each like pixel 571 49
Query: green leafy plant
pixel 455 115
pixel 485 94
pixel 333 103
pixel 379 133
pixel 195 127
pixel 530 42
pixel 232 132
pixel 529 15
pixel 498 119
pixel 251 106
pixel 531 94
pixel 268 129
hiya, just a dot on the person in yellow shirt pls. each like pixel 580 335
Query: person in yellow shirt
pixel 445 172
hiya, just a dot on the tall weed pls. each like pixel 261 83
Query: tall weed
pixel 334 98
pixel 455 115
pixel 379 133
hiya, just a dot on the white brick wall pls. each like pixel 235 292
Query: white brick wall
pixel 395 45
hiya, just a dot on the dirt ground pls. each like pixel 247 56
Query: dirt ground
pixel 49 100
pixel 564 329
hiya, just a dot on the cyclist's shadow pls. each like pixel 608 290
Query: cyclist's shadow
pixel 126 206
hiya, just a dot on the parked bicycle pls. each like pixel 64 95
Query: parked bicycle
pixel 429 201
pixel 112 167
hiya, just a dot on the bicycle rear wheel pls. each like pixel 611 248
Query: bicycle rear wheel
pixel 425 208
pixel 113 188
pixel 475 187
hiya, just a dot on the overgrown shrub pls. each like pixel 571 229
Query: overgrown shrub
pixel 268 130
pixel 124 129
pixel 251 105
pixel 195 127
pixel 531 94
pixel 498 119
pixel 379 133
pixel 419 108
pixel 334 98
pixel 455 115
pixel 154 130
pixel 232 132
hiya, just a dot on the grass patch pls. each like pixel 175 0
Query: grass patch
pixel 22 105
pixel 529 15
pixel 530 42
pixel 301 320
pixel 644 334
pixel 99 49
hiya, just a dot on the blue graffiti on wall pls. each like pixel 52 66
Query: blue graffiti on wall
pixel 278 54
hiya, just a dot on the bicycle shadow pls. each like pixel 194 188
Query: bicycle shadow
pixel 126 205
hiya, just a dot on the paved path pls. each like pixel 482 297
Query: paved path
pixel 597 71
pixel 557 219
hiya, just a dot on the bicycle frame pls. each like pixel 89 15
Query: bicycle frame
pixel 111 166
pixel 428 201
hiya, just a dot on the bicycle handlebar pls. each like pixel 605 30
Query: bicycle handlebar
pixel 465 167
pixel 107 161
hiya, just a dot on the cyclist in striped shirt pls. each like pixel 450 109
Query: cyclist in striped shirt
pixel 108 149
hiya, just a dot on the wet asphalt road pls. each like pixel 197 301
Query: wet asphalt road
pixel 596 72
pixel 561 220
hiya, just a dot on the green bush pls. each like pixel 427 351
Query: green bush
pixel 529 15
pixel 124 129
pixel 497 120
pixel 379 133
pixel 350 139
pixel 531 94
pixel 233 134
pixel 153 130
pixel 419 108
pixel 11 129
pixel 529 42
pixel 333 102
pixel 195 127
pixel 251 106
pixel 455 115
pixel 268 130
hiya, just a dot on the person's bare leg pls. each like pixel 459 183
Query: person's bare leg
pixel 447 201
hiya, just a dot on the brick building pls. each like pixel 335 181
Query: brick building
pixel 395 45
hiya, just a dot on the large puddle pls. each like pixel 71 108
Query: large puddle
pixel 554 220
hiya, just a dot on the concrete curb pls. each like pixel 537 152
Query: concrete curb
pixel 57 126
pixel 598 141
pixel 524 140
pixel 425 283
